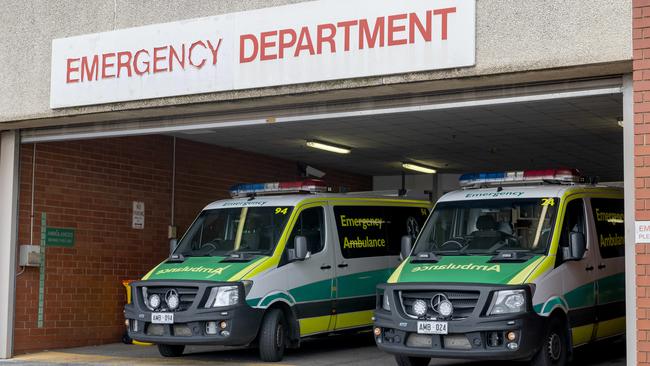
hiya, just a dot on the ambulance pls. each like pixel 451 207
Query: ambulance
pixel 514 266
pixel 276 263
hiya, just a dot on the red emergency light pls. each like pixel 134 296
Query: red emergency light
pixel 307 185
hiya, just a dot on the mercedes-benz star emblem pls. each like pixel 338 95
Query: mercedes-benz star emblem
pixel 441 305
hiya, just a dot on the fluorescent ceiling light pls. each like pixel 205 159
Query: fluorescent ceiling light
pixel 418 168
pixel 328 147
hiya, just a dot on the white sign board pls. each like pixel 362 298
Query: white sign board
pixel 291 44
pixel 642 232
pixel 138 215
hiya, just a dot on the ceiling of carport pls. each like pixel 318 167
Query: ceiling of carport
pixel 577 132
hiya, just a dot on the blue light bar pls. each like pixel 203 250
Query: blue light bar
pixel 307 185
pixel 529 176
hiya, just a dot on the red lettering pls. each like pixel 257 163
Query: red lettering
pixel 71 69
pixel 284 44
pixel 106 65
pixel 214 50
pixel 158 57
pixel 371 40
pixel 266 44
pixel 321 38
pixel 444 12
pixel 200 64
pixel 392 29
pixel 145 62
pixel 90 73
pixel 122 63
pixel 173 55
pixel 242 48
pixel 304 42
pixel 346 32
pixel 425 31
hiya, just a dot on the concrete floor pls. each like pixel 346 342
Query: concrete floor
pixel 335 350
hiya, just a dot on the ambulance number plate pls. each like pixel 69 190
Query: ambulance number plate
pixel 432 327
pixel 162 318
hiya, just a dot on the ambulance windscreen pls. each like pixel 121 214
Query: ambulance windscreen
pixel 485 227
pixel 226 231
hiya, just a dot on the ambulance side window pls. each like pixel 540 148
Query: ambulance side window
pixel 362 230
pixel 610 226
pixel 401 221
pixel 574 221
pixel 310 224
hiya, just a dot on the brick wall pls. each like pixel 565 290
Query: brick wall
pixel 641 76
pixel 90 186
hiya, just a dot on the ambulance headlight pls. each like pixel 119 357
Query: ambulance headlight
pixel 385 302
pixel 223 296
pixel 508 302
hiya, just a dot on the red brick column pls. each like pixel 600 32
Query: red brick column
pixel 641 76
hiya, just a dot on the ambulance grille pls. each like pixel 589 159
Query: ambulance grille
pixel 186 295
pixel 464 302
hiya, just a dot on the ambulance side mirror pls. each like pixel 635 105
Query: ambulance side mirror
pixel 407 246
pixel 300 248
pixel 577 247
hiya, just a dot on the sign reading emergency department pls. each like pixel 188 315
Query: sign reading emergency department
pixel 642 231
pixel 292 44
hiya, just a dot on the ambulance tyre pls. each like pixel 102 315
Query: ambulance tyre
pixel 273 336
pixel 411 361
pixel 171 350
pixel 555 350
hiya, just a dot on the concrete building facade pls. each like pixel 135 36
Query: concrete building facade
pixel 547 84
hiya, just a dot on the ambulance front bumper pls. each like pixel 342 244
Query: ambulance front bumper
pixel 235 325
pixel 474 337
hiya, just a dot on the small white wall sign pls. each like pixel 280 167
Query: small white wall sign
pixel 138 215
pixel 642 231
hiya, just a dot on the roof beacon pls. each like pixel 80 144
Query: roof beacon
pixel 307 185
pixel 518 177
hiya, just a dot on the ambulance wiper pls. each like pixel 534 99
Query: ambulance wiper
pixel 426 257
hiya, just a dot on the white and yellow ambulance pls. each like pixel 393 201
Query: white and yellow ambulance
pixel 514 266
pixel 277 263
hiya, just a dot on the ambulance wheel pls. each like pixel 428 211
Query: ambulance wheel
pixel 273 336
pixel 171 350
pixel 555 350
pixel 411 361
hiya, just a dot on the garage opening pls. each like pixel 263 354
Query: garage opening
pixel 88 179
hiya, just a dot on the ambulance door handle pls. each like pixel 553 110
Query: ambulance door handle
pixel 590 268
pixel 343 265
pixel 602 266
pixel 325 267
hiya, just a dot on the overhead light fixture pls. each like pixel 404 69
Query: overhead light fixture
pixel 418 168
pixel 328 147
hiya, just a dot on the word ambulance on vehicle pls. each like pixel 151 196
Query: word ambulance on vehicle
pixel 514 266
pixel 276 263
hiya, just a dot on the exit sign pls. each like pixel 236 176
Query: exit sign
pixel 59 237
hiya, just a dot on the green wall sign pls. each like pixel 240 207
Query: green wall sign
pixel 59 237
